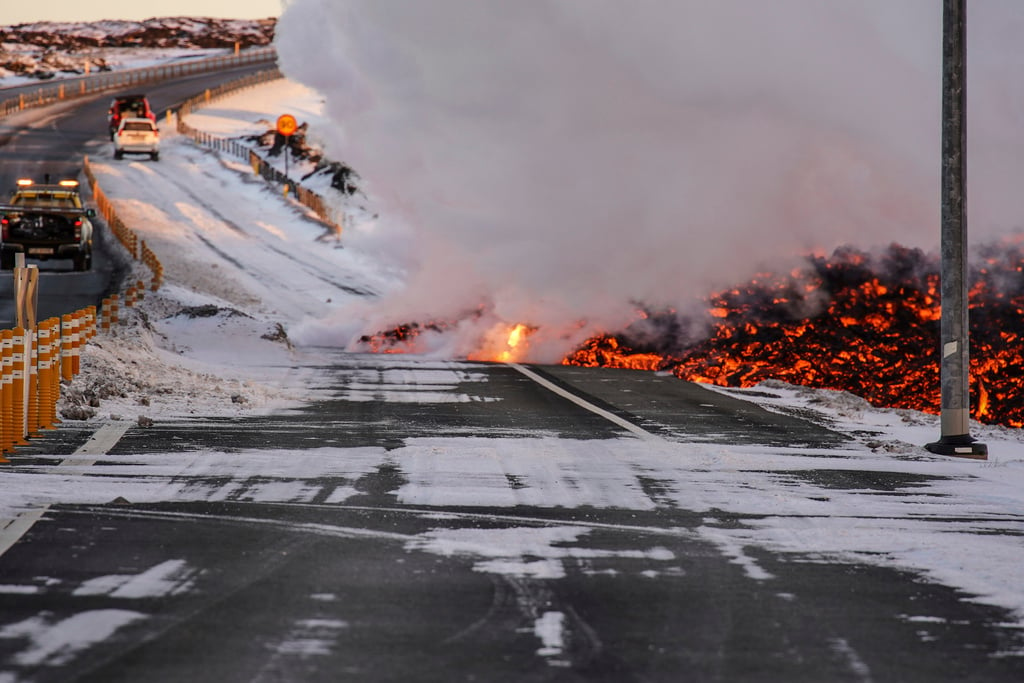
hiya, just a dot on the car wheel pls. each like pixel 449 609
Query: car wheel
pixel 83 262
pixel 155 156
pixel 119 154
pixel 7 260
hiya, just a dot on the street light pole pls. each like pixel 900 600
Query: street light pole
pixel 955 438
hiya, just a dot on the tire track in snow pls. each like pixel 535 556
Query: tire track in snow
pixel 213 211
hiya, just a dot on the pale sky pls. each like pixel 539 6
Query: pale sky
pixel 18 12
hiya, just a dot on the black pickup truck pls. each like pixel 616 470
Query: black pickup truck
pixel 46 222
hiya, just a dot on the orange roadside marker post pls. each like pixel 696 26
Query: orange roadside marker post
pixel 7 389
pixel 33 385
pixel 18 387
pixel 76 342
pixel 66 361
pixel 47 375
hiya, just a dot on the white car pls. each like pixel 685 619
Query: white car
pixel 137 136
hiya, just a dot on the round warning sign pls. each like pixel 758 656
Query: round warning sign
pixel 286 124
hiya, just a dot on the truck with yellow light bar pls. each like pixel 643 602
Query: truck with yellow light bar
pixel 44 222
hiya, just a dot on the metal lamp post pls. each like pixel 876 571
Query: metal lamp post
pixel 955 438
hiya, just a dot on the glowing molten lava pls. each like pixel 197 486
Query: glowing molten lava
pixel 504 344
pixel 865 324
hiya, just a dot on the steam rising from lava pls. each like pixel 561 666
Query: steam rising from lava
pixel 553 162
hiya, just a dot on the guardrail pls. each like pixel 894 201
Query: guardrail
pixel 80 86
pixel 136 247
pixel 306 197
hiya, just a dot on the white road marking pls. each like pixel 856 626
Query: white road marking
pixel 17 527
pixel 100 443
pixel 105 438
pixel 611 417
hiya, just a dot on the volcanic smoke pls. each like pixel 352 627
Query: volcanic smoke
pixel 554 163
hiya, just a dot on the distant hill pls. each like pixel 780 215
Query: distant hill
pixel 181 32
pixel 43 50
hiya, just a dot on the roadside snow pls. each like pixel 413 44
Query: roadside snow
pixel 213 340
pixel 35 58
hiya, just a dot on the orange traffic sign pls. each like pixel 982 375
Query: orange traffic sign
pixel 286 124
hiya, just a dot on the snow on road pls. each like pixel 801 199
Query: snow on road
pixel 242 260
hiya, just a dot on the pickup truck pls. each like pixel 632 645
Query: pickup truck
pixel 46 222
pixel 128 106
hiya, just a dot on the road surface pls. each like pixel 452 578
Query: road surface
pixel 352 539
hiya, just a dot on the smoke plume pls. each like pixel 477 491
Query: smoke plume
pixel 558 161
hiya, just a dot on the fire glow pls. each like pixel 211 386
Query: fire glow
pixel 853 321
pixel 875 333
pixel 504 344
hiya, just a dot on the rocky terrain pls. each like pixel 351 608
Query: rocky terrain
pixel 45 50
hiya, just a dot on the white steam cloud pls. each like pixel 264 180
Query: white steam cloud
pixel 560 160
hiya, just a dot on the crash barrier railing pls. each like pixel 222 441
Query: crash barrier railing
pixel 81 86
pixel 137 248
pixel 306 197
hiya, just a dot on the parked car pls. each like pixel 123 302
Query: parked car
pixel 128 106
pixel 46 222
pixel 137 136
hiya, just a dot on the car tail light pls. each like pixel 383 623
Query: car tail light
pixel 78 229
pixel 5 226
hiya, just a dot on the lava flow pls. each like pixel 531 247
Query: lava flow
pixel 856 322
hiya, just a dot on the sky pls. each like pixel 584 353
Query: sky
pixel 562 160
pixel 957 525
pixel 12 12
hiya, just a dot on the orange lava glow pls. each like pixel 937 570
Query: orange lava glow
pixel 867 324
pixel 504 344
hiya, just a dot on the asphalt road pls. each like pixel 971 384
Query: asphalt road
pixel 52 140
pixel 348 577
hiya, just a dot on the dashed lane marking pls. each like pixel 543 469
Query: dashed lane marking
pixel 16 528
pixel 100 443
pixel 583 403
pixel 105 438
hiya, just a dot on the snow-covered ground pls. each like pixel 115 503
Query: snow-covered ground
pixel 38 52
pixel 235 271
pixel 34 60
pixel 243 263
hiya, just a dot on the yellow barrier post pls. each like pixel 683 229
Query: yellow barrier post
pixel 7 388
pixel 19 428
pixel 113 309
pixel 105 314
pixel 55 355
pixel 47 401
pixel 89 318
pixel 66 362
pixel 76 342
pixel 33 385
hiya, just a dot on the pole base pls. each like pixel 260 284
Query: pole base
pixel 960 446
